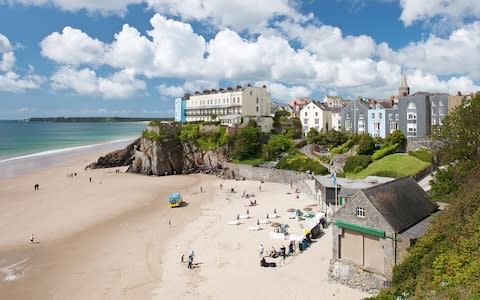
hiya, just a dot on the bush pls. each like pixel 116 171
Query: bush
pixel 277 145
pixel 343 147
pixel 353 162
pixel 385 151
pixel 366 144
pixel 423 154
pixel 297 161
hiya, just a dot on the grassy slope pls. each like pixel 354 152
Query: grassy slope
pixel 396 165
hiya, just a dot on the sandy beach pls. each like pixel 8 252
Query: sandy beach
pixel 116 238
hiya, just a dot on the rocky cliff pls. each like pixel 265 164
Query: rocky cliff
pixel 165 155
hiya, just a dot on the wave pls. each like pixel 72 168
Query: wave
pixel 69 149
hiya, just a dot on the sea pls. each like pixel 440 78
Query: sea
pixel 23 139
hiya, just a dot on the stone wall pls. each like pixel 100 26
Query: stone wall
pixel 355 277
pixel 237 171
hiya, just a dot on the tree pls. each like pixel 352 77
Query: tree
pixel 366 144
pixel 277 144
pixel 396 137
pixel 459 136
pixel 247 142
pixel 312 136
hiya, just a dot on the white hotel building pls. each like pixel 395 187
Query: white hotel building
pixel 229 106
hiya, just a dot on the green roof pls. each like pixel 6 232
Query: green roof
pixel 360 228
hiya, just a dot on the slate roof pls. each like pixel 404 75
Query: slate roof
pixel 402 202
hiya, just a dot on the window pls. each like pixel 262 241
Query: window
pixel 411 105
pixel 257 100
pixel 390 117
pixel 373 115
pixel 306 114
pixel 376 125
pixel 305 128
pixel 379 115
pixel 257 108
pixel 305 121
pixel 348 116
pixel 396 117
pixel 361 116
pixel 411 116
pixel 251 93
pixel 434 121
pixel 360 211
pixel 393 127
pixel 316 114
pixel 412 127
pixel 317 121
pixel 441 111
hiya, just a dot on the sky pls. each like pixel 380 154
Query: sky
pixel 134 57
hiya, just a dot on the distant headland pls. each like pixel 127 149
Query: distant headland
pixel 95 119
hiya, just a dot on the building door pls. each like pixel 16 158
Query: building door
pixel 373 253
pixel 351 246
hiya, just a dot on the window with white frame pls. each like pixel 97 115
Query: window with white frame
pixel 360 212
pixel 411 116
pixel 305 121
pixel 379 115
pixel 373 115
pixel 390 117
pixel 411 105
pixel 306 114
pixel 411 127
pixel 317 121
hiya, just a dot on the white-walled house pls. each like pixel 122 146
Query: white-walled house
pixel 315 115
pixel 336 118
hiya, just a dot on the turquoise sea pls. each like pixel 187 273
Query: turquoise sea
pixel 22 138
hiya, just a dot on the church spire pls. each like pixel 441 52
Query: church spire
pixel 404 90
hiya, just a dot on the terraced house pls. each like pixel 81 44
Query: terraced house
pixel 230 106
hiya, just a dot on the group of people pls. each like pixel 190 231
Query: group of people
pixel 274 253
pixel 71 175
pixel 191 256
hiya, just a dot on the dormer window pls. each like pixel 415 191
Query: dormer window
pixel 360 211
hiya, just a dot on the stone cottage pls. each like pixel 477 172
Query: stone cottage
pixel 373 230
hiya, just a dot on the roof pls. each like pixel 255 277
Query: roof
pixel 419 229
pixel 352 185
pixel 402 202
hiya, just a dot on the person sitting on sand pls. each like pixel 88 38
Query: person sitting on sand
pixel 273 252
pixel 32 239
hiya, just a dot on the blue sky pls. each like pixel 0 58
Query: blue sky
pixel 133 57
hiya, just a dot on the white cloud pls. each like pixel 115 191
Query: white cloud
pixel 236 14
pixel 73 46
pixel 9 80
pixel 448 10
pixel 431 83
pixel 328 42
pixel 104 6
pixel 187 87
pixel 119 85
pixel 7 58
pixel 457 54
pixel 283 92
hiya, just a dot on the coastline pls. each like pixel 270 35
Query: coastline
pixel 19 165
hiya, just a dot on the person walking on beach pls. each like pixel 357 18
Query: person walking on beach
pixel 283 252
pixel 261 250
pixel 90 179
pixel 191 256
pixel 201 189
pixel 182 259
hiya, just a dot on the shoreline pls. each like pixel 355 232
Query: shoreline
pixel 20 165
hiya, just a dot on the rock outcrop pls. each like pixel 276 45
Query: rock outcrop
pixel 164 156
pixel 118 158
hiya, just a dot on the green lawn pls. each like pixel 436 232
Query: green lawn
pixel 394 165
